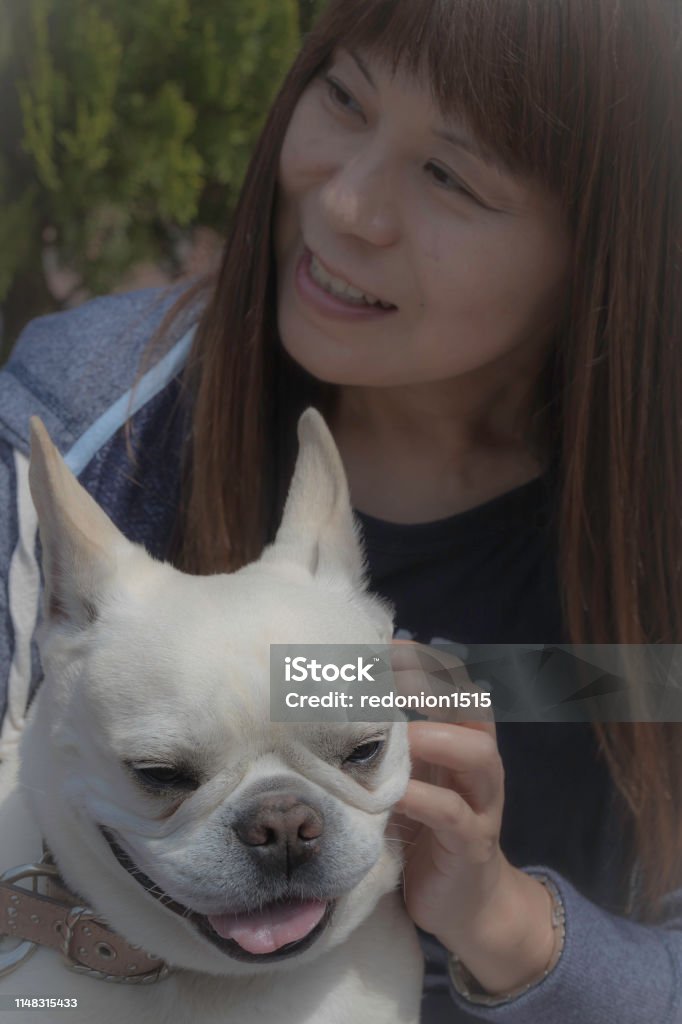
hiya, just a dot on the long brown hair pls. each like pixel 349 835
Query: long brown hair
pixel 582 96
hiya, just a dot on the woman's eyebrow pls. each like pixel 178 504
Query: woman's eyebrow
pixel 461 141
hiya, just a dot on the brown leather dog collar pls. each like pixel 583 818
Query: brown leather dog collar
pixel 58 920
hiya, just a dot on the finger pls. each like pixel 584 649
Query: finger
pixel 421 769
pixel 458 747
pixel 471 758
pixel 435 673
pixel 409 656
pixel 443 811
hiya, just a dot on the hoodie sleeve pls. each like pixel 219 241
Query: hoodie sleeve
pixel 19 594
pixel 612 970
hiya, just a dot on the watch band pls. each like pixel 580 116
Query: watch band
pixel 467 986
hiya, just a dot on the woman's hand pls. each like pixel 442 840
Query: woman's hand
pixel 458 885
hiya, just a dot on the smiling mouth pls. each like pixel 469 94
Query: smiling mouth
pixel 289 925
pixel 339 287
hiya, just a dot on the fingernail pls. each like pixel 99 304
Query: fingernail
pixel 460 650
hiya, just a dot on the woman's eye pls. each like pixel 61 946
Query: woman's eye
pixel 365 752
pixel 448 180
pixel 338 95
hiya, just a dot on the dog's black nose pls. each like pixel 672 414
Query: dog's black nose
pixel 282 831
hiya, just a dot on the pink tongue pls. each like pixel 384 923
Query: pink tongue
pixel 271 928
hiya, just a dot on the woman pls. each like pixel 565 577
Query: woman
pixel 458 238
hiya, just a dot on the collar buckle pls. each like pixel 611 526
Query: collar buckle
pixel 74 916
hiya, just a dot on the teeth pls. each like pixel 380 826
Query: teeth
pixel 342 289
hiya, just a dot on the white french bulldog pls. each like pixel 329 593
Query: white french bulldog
pixel 250 855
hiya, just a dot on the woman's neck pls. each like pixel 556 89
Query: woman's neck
pixel 408 464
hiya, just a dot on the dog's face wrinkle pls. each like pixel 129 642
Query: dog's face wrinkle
pixel 145 881
pixel 228 946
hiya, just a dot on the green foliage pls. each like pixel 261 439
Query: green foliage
pixel 310 11
pixel 125 120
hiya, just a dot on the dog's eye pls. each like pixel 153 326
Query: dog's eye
pixel 365 752
pixel 164 775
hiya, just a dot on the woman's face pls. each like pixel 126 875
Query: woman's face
pixel 472 261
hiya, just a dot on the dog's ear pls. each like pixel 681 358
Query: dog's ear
pixel 79 541
pixel 318 530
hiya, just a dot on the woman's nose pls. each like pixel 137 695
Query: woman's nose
pixel 358 198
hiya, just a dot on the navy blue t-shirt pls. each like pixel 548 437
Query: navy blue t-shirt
pixel 484 576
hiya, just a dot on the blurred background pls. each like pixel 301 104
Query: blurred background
pixel 125 131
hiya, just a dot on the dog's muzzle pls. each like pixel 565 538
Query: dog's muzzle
pixel 282 834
